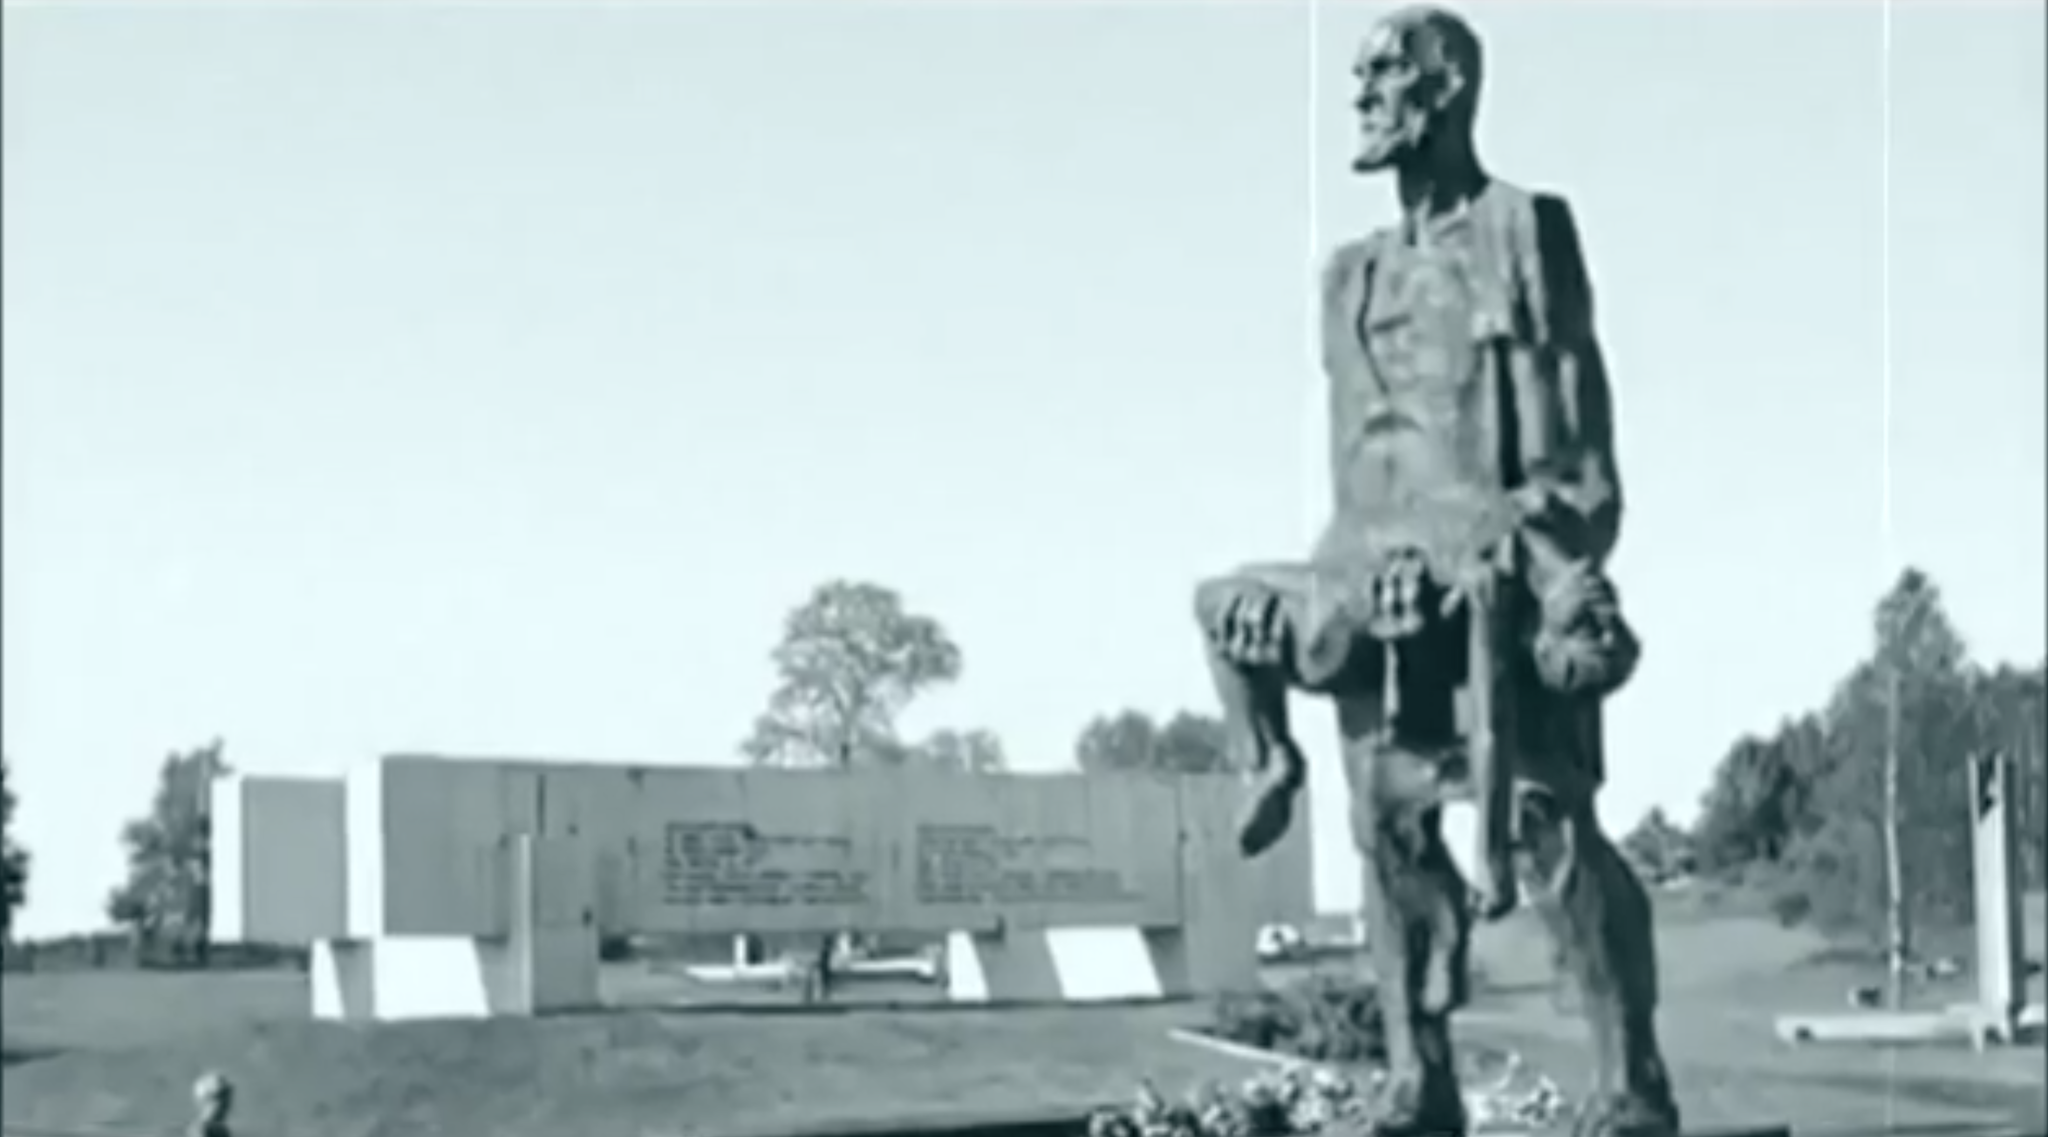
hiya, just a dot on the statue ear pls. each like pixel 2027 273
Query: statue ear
pixel 1451 87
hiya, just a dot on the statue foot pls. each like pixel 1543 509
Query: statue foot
pixel 1627 1115
pixel 1408 1110
pixel 1493 894
pixel 1271 810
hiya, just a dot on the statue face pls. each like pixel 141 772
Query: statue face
pixel 1396 99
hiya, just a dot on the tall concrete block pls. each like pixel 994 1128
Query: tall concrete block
pixel 2001 933
pixel 280 859
pixel 543 959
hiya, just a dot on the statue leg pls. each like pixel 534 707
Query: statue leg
pixel 1417 921
pixel 1249 621
pixel 1598 915
pixel 1255 721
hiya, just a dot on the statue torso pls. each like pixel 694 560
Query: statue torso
pixel 1411 327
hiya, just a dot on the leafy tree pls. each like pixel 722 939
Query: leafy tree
pixel 1761 799
pixel 1130 740
pixel 1905 718
pixel 1659 849
pixel 1750 807
pixel 1853 815
pixel 851 658
pixel 969 752
pixel 168 892
pixel 13 858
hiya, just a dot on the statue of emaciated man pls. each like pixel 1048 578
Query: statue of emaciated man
pixel 1456 610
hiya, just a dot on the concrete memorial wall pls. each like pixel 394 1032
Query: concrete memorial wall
pixel 481 887
pixel 279 859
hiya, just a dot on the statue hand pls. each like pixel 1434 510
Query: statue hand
pixel 1530 499
pixel 1250 627
pixel 1475 582
pixel 1578 595
pixel 1582 644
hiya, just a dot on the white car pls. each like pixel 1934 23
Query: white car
pixel 1280 941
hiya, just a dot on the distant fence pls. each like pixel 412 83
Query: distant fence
pixel 121 951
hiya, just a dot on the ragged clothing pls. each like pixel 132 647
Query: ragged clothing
pixel 1471 430
pixel 1464 376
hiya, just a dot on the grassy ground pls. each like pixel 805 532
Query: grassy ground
pixel 120 1049
pixel 1727 973
pixel 1730 1072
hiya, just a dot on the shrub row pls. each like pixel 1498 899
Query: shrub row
pixel 1322 1018
pixel 121 951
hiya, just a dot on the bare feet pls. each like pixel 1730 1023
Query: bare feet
pixel 1627 1115
pixel 1494 893
pixel 1409 1109
pixel 1270 812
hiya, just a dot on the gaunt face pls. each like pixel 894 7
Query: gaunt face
pixel 1404 88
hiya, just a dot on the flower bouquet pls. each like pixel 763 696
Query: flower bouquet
pixel 1302 1099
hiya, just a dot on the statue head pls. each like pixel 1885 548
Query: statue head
pixel 1418 88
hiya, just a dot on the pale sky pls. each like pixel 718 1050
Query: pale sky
pixel 491 379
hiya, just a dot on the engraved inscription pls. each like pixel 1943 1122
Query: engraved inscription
pixel 979 864
pixel 735 865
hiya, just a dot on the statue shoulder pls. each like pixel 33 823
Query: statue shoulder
pixel 1510 198
pixel 1555 230
pixel 1538 215
pixel 1543 233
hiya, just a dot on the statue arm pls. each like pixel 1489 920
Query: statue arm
pixel 1344 265
pixel 1561 382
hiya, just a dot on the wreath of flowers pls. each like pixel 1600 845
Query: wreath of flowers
pixel 1302 1099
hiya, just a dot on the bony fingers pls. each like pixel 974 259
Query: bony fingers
pixel 1232 633
pixel 1242 640
pixel 1220 630
pixel 1231 617
pixel 1255 615
pixel 1244 627
pixel 1269 618
pixel 1245 617
pixel 1267 651
pixel 1454 598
